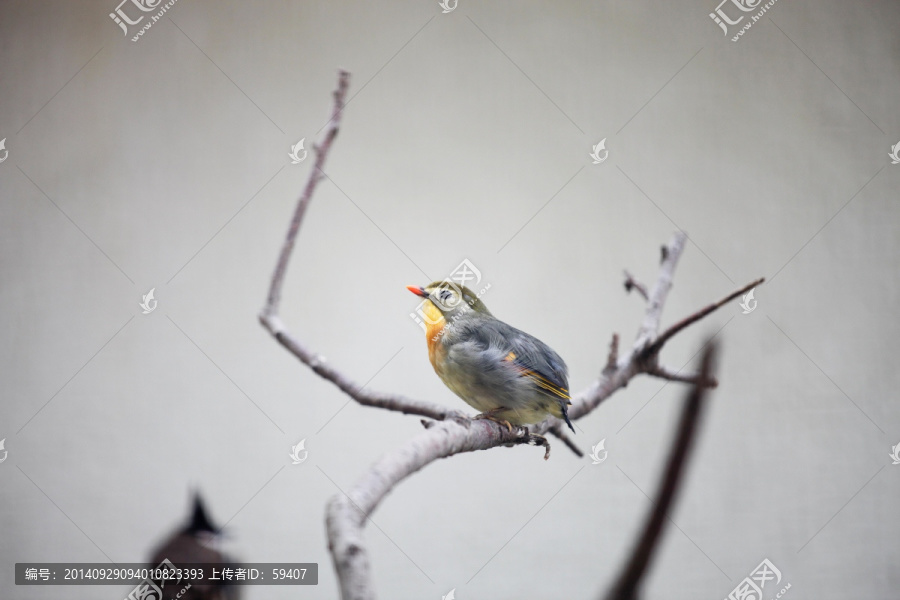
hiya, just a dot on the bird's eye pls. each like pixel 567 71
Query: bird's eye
pixel 447 298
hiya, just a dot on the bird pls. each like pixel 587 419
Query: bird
pixel 196 543
pixel 509 376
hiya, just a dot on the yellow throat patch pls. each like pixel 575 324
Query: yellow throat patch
pixel 434 325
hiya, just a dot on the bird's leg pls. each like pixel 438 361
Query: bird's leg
pixel 536 438
pixel 491 415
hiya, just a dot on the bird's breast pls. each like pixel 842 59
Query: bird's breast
pixel 434 330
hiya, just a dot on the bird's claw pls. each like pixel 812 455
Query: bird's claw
pixel 489 417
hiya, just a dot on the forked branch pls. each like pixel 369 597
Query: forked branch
pixel 452 432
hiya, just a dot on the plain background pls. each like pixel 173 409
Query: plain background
pixel 164 164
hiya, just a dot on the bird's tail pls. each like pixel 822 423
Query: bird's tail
pixel 565 414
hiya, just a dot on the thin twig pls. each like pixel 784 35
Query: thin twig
pixel 321 151
pixel 559 432
pixel 627 587
pixel 269 315
pixel 612 359
pixel 657 298
pixel 633 284
pixel 366 397
pixel 692 378
pixel 693 318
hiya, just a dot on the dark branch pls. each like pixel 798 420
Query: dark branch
pixel 558 431
pixel 627 587
pixel 632 284
pixel 693 318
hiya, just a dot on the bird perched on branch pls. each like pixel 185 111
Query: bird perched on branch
pixel 511 377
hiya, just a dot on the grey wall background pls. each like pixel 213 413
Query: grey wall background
pixel 163 164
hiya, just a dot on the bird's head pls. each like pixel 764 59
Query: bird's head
pixel 450 299
pixel 200 525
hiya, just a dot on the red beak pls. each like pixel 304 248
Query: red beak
pixel 418 291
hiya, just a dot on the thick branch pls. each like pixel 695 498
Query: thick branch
pixel 346 514
pixel 627 587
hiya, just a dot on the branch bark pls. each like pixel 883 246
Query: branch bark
pixel 455 432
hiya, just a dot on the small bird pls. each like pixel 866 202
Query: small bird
pixel 196 543
pixel 511 377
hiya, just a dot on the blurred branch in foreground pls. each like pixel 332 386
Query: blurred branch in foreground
pixel 627 587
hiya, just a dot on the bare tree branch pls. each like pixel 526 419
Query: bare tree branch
pixel 269 315
pixel 694 378
pixel 321 151
pixel 627 587
pixel 657 299
pixel 346 514
pixel 456 432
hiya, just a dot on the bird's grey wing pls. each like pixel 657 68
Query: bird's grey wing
pixel 528 356
pixel 540 362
